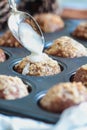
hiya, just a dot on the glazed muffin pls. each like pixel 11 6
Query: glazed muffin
pixel 49 22
pixel 8 40
pixel 81 31
pixel 12 87
pixel 46 66
pixel 63 95
pixel 66 47
pixel 2 56
pixel 81 75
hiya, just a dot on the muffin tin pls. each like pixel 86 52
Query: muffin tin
pixel 29 106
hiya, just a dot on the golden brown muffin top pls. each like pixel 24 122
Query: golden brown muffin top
pixel 8 40
pixel 47 66
pixel 49 22
pixel 12 87
pixel 81 75
pixel 74 91
pixel 81 30
pixel 2 56
pixel 66 47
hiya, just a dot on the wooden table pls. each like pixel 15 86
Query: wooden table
pixel 73 13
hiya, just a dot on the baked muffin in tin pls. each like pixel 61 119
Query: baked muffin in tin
pixel 81 75
pixel 46 66
pixel 49 22
pixel 2 55
pixel 8 40
pixel 66 47
pixel 12 88
pixel 81 31
pixel 62 96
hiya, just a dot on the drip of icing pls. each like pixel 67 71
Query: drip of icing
pixel 26 69
pixel 37 57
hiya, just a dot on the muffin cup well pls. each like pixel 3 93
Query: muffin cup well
pixel 62 67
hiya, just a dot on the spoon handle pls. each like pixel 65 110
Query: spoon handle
pixel 12 4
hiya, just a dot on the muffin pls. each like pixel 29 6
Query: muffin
pixel 81 75
pixel 4 13
pixel 81 31
pixel 39 6
pixel 66 47
pixel 46 66
pixel 2 56
pixel 12 88
pixel 8 40
pixel 49 22
pixel 63 95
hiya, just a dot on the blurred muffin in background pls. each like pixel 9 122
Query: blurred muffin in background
pixel 8 40
pixel 81 75
pixel 66 47
pixel 4 13
pixel 39 6
pixel 2 56
pixel 81 31
pixel 49 22
pixel 44 12
pixel 62 96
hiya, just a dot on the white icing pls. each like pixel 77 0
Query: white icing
pixel 13 22
pixel 30 39
pixel 26 69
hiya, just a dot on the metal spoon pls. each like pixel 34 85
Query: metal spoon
pixel 17 17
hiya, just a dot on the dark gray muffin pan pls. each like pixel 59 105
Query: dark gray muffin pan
pixel 38 86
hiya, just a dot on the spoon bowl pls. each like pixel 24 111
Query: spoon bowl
pixel 18 17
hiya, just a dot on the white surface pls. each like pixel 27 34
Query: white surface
pixel 74 118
